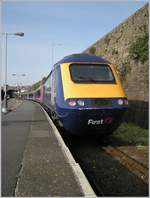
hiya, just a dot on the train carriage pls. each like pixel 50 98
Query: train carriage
pixel 84 93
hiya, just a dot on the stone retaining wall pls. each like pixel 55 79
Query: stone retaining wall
pixel 116 46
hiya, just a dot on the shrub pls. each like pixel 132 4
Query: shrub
pixel 139 49
pixel 92 50
pixel 114 51
pixel 107 40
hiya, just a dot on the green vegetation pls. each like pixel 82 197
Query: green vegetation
pixel 114 51
pixel 92 50
pixel 44 79
pixel 124 69
pixel 107 40
pixel 132 134
pixel 127 69
pixel 139 49
pixel 37 84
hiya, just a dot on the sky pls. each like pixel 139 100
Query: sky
pixel 59 27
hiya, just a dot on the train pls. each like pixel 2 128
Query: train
pixel 83 94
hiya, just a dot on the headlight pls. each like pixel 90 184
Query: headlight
pixel 72 103
pixel 80 102
pixel 126 102
pixel 120 102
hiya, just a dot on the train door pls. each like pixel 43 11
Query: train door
pixel 52 88
pixel 54 79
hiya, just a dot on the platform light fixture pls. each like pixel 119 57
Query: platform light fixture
pixel 6 34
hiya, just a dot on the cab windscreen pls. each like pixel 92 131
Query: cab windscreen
pixel 89 73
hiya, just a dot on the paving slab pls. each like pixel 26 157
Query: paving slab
pixel 46 169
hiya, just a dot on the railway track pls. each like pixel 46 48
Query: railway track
pixel 110 171
pixel 136 167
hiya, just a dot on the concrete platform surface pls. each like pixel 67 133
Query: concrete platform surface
pixel 14 135
pixel 48 168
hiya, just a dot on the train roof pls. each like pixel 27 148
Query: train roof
pixel 82 58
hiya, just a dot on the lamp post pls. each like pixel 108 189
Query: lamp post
pixel 54 45
pixel 4 109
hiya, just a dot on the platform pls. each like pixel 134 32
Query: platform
pixel 48 168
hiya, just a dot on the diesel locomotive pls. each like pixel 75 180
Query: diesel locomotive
pixel 83 94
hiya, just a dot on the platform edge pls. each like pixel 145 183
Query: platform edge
pixel 80 176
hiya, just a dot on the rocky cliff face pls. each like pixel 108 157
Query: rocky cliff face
pixel 127 47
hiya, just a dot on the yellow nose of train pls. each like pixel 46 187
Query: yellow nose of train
pixel 77 84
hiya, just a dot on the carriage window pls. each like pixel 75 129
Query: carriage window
pixel 38 93
pixel 91 73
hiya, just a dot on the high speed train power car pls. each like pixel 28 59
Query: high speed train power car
pixel 83 93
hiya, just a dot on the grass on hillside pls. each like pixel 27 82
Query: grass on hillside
pixel 132 134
